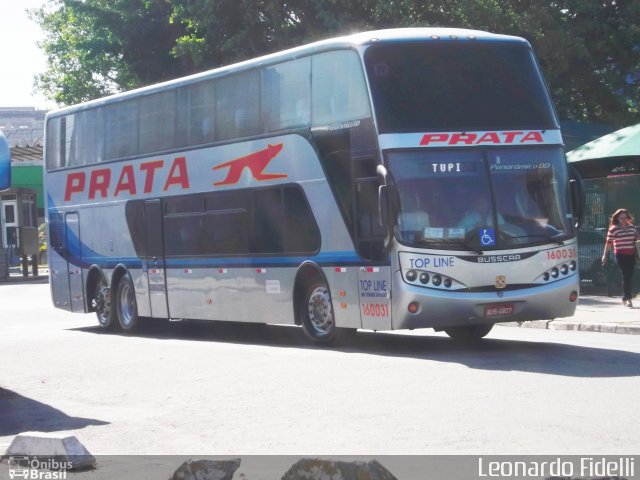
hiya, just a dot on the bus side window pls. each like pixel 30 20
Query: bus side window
pixel 339 92
pixel 268 232
pixel 55 143
pixel 286 95
pixel 202 113
pixel 238 105
pixel 301 231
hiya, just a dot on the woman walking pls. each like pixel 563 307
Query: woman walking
pixel 622 235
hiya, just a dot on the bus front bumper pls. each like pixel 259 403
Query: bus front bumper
pixel 440 309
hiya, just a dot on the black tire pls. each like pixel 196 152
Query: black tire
pixel 126 306
pixel 469 333
pixel 101 303
pixel 316 312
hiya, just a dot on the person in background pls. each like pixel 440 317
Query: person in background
pixel 622 235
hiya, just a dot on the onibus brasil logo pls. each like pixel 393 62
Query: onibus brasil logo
pixel 36 469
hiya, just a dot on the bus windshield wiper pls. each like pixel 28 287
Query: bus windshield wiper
pixel 471 248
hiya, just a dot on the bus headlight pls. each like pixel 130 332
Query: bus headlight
pixel 422 278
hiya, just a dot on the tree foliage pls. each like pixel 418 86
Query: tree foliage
pixel 589 50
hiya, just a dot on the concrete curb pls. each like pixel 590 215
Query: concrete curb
pixel 627 329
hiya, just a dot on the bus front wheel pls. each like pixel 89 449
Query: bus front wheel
pixel 469 333
pixel 316 312
pixel 126 306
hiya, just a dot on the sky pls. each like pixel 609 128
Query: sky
pixel 20 57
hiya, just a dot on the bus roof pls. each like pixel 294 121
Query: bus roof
pixel 434 34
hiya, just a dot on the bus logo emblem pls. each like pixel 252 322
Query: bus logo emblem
pixel 501 281
pixel 255 162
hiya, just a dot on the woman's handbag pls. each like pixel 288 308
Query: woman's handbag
pixel 637 249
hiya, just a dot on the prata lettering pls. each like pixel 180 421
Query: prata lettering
pixel 494 138
pixel 100 179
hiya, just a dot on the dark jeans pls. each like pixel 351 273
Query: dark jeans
pixel 626 263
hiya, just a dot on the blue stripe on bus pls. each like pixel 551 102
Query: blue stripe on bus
pixel 345 258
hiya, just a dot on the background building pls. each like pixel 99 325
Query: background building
pixel 23 127
pixel 22 205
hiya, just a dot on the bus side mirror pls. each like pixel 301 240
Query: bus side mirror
pixel 383 204
pixel 576 188
pixel 386 202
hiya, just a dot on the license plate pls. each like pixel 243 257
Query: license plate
pixel 502 310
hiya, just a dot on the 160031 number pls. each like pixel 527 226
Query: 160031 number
pixel 375 309
pixel 561 254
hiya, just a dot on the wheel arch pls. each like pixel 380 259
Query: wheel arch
pixel 95 274
pixel 307 272
pixel 118 272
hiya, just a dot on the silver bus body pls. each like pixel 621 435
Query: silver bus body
pixel 375 281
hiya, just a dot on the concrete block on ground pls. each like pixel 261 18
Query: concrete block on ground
pixel 316 469
pixel 206 470
pixel 48 449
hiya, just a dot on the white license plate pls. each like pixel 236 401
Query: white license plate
pixel 501 310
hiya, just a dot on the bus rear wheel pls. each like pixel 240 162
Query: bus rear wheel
pixel 469 333
pixel 316 312
pixel 101 303
pixel 126 306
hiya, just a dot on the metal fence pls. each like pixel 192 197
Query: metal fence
pixel 603 196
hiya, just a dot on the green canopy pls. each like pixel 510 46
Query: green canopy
pixel 599 157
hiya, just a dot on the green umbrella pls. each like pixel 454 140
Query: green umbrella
pixel 621 143
pixel 599 157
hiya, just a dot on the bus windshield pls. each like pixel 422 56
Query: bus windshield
pixel 481 199
pixel 456 87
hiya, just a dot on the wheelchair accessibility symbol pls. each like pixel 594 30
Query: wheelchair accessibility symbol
pixel 487 237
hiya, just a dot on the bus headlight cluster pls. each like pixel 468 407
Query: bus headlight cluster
pixel 428 279
pixel 560 271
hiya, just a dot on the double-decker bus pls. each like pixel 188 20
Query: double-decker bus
pixel 395 179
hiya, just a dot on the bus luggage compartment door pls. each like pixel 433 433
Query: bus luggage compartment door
pixel 65 262
pixel 58 266
pixel 72 221
pixel 154 262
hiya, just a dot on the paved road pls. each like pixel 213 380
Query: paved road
pixel 233 389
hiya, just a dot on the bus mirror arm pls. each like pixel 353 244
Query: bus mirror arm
pixel 576 187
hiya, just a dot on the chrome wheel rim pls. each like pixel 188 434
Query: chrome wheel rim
pixel 127 305
pixel 102 303
pixel 320 311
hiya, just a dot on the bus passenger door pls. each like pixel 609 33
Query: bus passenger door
pixel 374 279
pixel 154 263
